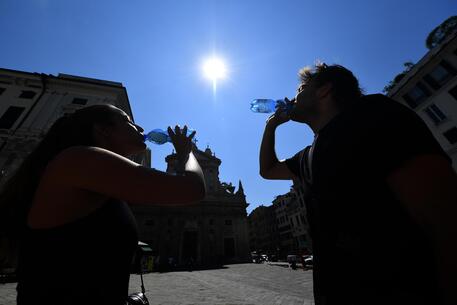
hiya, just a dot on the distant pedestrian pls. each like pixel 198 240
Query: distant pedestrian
pixel 65 205
pixel 302 259
pixel 293 265
pixel 381 195
pixel 190 264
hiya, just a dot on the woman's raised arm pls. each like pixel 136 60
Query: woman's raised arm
pixel 102 171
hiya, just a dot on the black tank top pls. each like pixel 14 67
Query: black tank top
pixel 83 262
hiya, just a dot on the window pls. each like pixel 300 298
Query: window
pixel 435 114
pixel 451 135
pixel 10 116
pixel 440 75
pixel 228 222
pixel 453 92
pixel 2 90
pixel 79 101
pixel 170 222
pixel 211 222
pixel 27 94
pixel 416 95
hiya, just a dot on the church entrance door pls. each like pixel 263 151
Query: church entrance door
pixel 189 246
pixel 229 247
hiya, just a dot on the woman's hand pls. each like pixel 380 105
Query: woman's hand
pixel 181 142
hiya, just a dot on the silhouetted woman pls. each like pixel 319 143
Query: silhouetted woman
pixel 66 206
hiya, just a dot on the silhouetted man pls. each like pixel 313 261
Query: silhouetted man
pixel 381 194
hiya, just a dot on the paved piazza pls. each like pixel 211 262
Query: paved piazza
pixel 241 284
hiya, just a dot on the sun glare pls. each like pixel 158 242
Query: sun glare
pixel 214 69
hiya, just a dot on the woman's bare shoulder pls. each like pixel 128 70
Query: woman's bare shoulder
pixel 103 172
pixel 82 162
pixel 88 155
pixel 83 152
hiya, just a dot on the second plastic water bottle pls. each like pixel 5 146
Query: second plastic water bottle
pixel 160 136
pixel 262 105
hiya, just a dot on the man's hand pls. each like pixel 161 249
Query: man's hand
pixel 281 116
pixel 270 166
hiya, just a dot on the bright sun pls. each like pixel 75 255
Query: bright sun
pixel 214 69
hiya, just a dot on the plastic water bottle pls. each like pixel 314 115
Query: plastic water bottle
pixel 160 136
pixel 262 105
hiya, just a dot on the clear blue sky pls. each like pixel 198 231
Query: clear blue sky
pixel 156 49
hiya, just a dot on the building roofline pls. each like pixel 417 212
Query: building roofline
pixel 79 79
pixel 75 78
pixel 89 80
pixel 22 72
pixel 421 63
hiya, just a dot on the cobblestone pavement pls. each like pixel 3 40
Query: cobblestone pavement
pixel 8 294
pixel 241 284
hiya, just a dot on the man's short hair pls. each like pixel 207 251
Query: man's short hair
pixel 345 86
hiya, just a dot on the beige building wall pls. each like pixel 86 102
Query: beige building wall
pixel 293 227
pixel 31 102
pixel 430 89
pixel 286 240
pixel 263 231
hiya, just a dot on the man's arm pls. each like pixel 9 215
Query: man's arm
pixel 427 186
pixel 270 166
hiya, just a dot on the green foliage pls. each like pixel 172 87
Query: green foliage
pixel 408 66
pixel 440 33
pixel 437 36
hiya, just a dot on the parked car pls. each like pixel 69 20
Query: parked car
pixel 308 259
pixel 292 258
pixel 8 275
pixel 255 258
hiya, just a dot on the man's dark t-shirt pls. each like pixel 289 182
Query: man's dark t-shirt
pixel 367 248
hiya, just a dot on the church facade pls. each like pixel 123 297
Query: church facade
pixel 210 232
